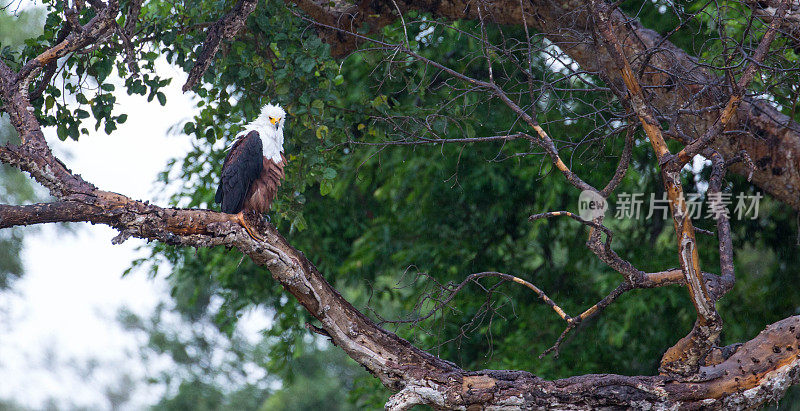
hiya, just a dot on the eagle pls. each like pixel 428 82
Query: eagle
pixel 253 168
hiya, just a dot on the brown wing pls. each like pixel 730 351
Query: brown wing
pixel 264 188
pixel 242 166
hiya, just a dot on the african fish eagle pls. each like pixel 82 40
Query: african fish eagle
pixel 253 168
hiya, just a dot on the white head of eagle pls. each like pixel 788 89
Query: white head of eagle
pixel 269 125
pixel 253 168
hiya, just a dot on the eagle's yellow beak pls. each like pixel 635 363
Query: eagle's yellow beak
pixel 274 120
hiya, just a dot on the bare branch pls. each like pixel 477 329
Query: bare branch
pixel 544 139
pixel 99 27
pixel 400 365
pixel 728 275
pixel 575 217
pixel 52 66
pixel 727 379
pixel 684 357
pixel 695 147
pixel 586 315
pixel 60 211
pixel 126 32
pixel 672 75
pixel 453 289
pixel 434 141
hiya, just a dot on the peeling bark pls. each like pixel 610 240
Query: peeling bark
pixel 684 357
pixel 761 369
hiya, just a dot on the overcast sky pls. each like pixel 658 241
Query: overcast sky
pixel 62 312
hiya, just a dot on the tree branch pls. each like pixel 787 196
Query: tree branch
pixel 767 10
pixel 224 29
pixel 543 140
pixel 761 368
pixel 695 147
pixel 402 367
pixel 684 357
pixel 771 138
pixel 52 66
pixel 727 272
pixel 94 31
pixel 57 212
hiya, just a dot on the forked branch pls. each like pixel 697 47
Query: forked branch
pixel 683 358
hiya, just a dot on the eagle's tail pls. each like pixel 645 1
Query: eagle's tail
pixel 218 195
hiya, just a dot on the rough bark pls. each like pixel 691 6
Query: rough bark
pixel 765 9
pixel 672 78
pixel 760 370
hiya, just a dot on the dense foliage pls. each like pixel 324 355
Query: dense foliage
pixel 390 225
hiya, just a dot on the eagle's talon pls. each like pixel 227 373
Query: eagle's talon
pixel 240 218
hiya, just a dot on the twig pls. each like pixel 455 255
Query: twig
pixel 727 272
pixel 688 152
pixel 321 331
pixel 589 313
pixel 473 278
pixel 685 356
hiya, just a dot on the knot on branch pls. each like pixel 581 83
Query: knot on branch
pixel 413 395
pixel 121 237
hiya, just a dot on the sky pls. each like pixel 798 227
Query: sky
pixel 58 334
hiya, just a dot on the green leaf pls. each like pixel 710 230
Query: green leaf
pixel 162 99
pixel 283 88
pixel 380 101
pixel 325 187
pixel 73 132
pixel 469 132
pixel 299 223
pixel 61 132
pixel 329 173
pixel 306 64
pixel 274 48
pixel 322 132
